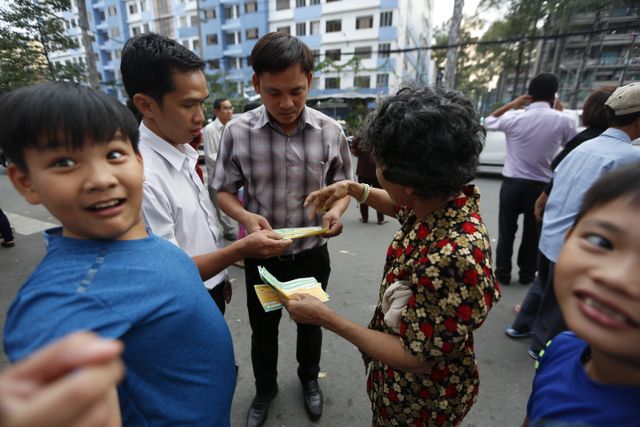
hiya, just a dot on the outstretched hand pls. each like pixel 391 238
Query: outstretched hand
pixel 68 383
pixel 322 200
pixel 305 309
pixel 265 244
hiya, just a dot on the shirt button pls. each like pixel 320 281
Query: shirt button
pixel 289 164
pixel 288 139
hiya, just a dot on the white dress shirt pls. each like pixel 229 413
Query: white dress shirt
pixel 211 144
pixel 176 205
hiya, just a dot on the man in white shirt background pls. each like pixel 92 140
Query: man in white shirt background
pixel 223 109
pixel 166 84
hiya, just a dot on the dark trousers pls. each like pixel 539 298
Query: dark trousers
pixel 5 228
pixel 217 295
pixel 517 196
pixel 264 326
pixel 540 312
pixel 364 208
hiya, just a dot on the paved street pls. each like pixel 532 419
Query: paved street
pixel 357 260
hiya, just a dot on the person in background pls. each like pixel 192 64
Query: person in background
pixel 366 172
pixel 533 136
pixel 591 375
pixel 223 109
pixel 6 232
pixel 437 284
pixel 279 153
pixel 595 117
pixel 572 178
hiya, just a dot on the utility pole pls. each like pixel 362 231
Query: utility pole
pixel 452 52
pixel 94 79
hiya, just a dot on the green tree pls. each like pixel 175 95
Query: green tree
pixel 29 31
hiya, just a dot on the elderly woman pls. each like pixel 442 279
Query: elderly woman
pixel 438 284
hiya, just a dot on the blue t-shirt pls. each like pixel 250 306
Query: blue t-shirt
pixel 563 394
pixel 148 293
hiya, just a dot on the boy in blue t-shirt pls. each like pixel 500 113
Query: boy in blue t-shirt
pixel 591 376
pixel 74 150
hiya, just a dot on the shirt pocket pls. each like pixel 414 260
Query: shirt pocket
pixel 315 172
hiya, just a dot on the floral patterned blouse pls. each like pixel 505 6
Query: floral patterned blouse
pixel 446 258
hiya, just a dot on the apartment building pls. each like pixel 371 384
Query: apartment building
pixel 364 46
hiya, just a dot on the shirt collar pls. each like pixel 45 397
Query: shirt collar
pixel 218 124
pixel 306 118
pixel 538 104
pixel 617 134
pixel 176 157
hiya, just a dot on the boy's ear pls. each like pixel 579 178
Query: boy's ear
pixel 144 103
pixel 22 182
pixel 256 82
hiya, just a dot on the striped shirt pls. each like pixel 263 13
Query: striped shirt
pixel 278 171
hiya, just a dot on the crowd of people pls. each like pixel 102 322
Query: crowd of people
pixel 140 262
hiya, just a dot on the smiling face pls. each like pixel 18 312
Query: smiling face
pixel 180 116
pixel 284 94
pixel 597 280
pixel 95 192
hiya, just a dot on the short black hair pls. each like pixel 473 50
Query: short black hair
pixel 543 87
pixel 148 62
pixel 621 183
pixel 594 113
pixel 623 120
pixel 426 139
pixel 217 103
pixel 278 51
pixel 251 105
pixel 54 114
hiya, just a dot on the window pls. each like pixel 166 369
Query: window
pixel 146 28
pixel 212 39
pixel 112 10
pixel 252 34
pixel 183 21
pixel 382 80
pixel 301 29
pixel 115 32
pixel 386 19
pixel 210 14
pixel 332 83
pixel 251 7
pixel 333 54
pixel 143 6
pixel 101 16
pixel 312 2
pixel 234 63
pixel 232 38
pixel 283 4
pixel 194 20
pixel 165 26
pixel 161 7
pixel 133 8
pixel 362 52
pixel 301 3
pixel 333 26
pixel 331 1
pixel 363 22
pixel 195 44
pixel 231 12
pixel 384 50
pixel 314 27
pixel 213 64
pixel 286 30
pixel 316 54
pixel 362 81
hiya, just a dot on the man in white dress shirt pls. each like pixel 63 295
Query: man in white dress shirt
pixel 211 133
pixel 165 83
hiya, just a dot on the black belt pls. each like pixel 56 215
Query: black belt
pixel 301 255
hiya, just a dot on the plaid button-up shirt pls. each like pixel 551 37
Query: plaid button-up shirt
pixel 278 171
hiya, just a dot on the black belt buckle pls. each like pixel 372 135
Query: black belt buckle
pixel 289 257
